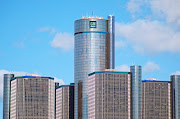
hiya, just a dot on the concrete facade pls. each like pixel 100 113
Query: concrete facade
pixel 156 99
pixel 65 102
pixel 32 97
pixel 109 95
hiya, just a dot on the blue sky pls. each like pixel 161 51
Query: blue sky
pixel 37 36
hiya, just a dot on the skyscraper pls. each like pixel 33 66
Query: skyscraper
pixel 156 99
pixel 6 95
pixel 94 51
pixel 136 92
pixel 109 95
pixel 65 102
pixel 175 79
pixel 32 97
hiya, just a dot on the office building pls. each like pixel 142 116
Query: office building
pixel 136 92
pixel 109 95
pixel 93 51
pixel 156 99
pixel 65 102
pixel 6 95
pixel 32 97
pixel 175 79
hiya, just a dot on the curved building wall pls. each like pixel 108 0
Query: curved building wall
pixel 6 95
pixel 136 92
pixel 91 54
pixel 175 96
pixel 111 30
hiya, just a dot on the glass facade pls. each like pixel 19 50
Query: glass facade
pixel 6 95
pixel 136 92
pixel 91 54
pixel 175 79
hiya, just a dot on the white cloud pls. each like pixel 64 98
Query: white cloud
pixel 47 29
pixel 149 36
pixel 135 5
pixel 2 72
pixel 151 67
pixel 63 41
pixel 176 73
pixel 123 67
pixel 169 9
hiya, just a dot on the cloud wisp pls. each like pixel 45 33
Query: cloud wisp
pixel 63 41
pixel 123 67
pixel 51 30
pixel 151 67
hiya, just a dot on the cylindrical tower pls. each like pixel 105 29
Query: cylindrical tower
pixel 111 30
pixel 136 92
pixel 175 79
pixel 6 95
pixel 91 53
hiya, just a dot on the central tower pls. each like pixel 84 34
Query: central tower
pixel 94 51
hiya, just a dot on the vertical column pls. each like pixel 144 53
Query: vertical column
pixel 136 92
pixel 6 95
pixel 111 30
pixel 175 79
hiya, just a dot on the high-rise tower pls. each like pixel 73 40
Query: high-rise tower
pixel 175 79
pixel 136 92
pixel 94 51
pixel 6 95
